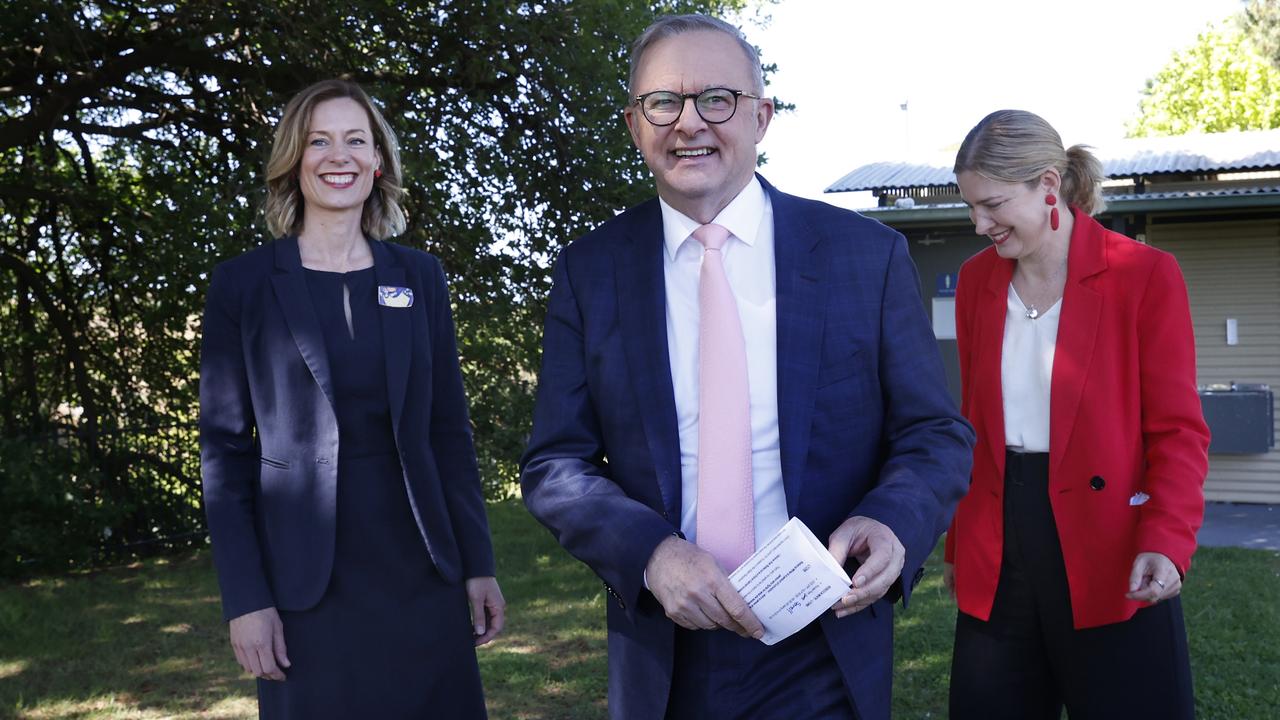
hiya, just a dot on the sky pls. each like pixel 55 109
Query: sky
pixel 849 65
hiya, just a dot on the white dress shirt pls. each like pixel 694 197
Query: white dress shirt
pixel 1026 374
pixel 749 264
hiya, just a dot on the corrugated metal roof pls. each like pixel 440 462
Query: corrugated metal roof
pixel 1216 152
pixel 1194 194
pixel 893 175
pixel 1218 198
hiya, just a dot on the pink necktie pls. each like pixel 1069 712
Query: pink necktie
pixel 726 517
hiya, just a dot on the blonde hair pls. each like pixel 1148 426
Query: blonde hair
pixel 1016 146
pixel 383 216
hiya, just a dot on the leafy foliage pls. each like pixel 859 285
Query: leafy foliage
pixel 132 142
pixel 1218 84
pixel 1262 25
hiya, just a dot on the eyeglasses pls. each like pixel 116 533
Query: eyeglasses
pixel 714 105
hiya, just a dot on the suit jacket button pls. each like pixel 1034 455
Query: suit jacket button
pixel 1097 483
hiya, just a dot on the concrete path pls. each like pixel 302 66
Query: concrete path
pixel 1241 525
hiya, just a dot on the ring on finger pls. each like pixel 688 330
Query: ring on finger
pixel 1158 582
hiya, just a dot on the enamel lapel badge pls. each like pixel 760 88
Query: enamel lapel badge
pixel 397 297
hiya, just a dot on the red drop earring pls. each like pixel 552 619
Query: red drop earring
pixel 1052 201
pixel 377 173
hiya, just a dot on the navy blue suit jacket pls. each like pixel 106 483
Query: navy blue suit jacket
pixel 269 433
pixel 866 424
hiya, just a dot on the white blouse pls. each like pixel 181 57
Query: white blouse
pixel 1026 373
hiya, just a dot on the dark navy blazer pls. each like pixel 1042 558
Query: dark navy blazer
pixel 867 426
pixel 269 436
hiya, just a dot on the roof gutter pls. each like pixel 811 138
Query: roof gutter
pixel 1117 206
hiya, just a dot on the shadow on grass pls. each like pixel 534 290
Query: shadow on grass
pixel 551 662
pixel 147 641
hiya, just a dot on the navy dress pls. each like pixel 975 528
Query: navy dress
pixel 389 639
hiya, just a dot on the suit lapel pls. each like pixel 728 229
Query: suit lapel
pixel 290 286
pixel 1077 332
pixel 641 304
pixel 801 315
pixel 397 326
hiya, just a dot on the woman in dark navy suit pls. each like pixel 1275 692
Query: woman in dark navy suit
pixel 340 479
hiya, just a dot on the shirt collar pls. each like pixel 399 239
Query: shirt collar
pixel 741 217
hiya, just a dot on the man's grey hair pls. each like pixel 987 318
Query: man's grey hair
pixel 672 25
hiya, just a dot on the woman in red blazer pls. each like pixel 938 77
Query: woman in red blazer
pixel 1077 362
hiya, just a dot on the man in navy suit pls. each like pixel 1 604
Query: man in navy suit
pixel 840 407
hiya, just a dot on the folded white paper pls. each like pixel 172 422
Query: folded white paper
pixel 789 581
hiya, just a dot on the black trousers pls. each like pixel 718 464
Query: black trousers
pixel 1028 662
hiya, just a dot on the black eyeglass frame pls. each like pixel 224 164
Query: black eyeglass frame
pixel 639 100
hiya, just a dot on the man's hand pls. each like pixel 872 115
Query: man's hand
pixel 695 592
pixel 1153 578
pixel 488 608
pixel 881 553
pixel 258 641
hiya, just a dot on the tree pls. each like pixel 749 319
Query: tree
pixel 1262 25
pixel 1220 83
pixel 132 142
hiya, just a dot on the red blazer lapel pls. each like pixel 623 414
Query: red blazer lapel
pixel 988 344
pixel 1077 332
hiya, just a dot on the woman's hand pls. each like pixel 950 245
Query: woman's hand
pixel 488 609
pixel 949 579
pixel 1154 578
pixel 258 641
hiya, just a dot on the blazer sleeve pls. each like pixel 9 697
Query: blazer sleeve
pixel 928 445
pixel 229 454
pixel 1175 436
pixel 565 477
pixel 452 444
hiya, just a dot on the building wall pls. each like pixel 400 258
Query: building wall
pixel 1231 262
pixel 1232 268
pixel 936 252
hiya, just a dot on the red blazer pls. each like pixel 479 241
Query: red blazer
pixel 1124 418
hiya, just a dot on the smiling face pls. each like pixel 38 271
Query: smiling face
pixel 1013 215
pixel 699 167
pixel 336 171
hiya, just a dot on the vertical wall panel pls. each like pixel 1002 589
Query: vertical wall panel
pixel 1233 271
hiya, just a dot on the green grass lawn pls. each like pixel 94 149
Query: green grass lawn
pixel 147 641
